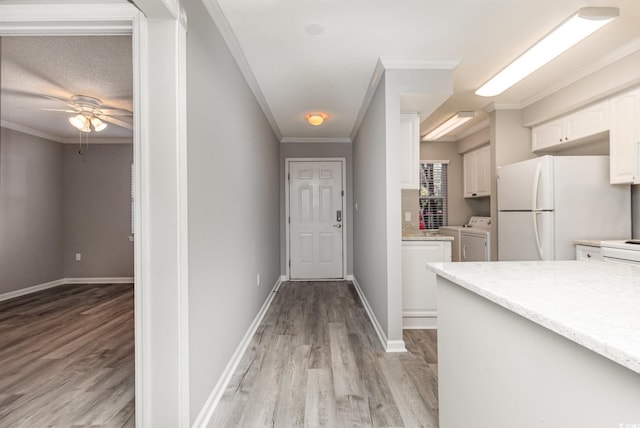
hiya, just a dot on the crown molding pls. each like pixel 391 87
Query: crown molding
pixel 473 129
pixel 378 72
pixel 31 131
pixel 390 63
pixel 233 44
pixel 293 140
pixel 99 140
pixel 495 106
pixel 613 57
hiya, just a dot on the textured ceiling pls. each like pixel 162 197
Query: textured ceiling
pixel 319 55
pixel 35 68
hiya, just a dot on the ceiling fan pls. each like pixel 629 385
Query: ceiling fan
pixel 89 114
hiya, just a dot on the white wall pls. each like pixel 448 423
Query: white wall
pixel 234 210
pixel 318 150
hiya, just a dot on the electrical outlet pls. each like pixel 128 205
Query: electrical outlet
pixel 258 280
pixel 78 257
pixel 407 216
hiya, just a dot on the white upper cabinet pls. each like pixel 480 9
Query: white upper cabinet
pixel 477 172
pixel 409 150
pixel 582 124
pixel 624 137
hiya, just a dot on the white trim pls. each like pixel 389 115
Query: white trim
pixel 391 63
pixel 64 281
pixel 613 57
pixel 99 280
pixel 32 289
pixel 30 131
pixel 499 106
pixel 419 320
pixel 473 129
pixel 378 72
pixel 62 140
pixel 444 161
pixel 284 278
pixel 286 140
pixel 205 414
pixel 183 225
pixel 236 51
pixel 345 236
pixel 388 345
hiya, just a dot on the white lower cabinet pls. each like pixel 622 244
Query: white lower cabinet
pixel 587 252
pixel 419 302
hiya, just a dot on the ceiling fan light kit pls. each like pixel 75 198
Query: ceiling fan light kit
pixel 582 24
pixel 88 112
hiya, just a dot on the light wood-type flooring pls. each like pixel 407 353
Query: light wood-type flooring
pixel 67 358
pixel 316 361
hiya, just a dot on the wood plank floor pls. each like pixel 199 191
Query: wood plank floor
pixel 67 358
pixel 316 361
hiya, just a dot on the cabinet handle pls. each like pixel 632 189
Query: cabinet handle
pixel 566 138
pixel 588 255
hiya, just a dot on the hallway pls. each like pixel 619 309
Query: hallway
pixel 316 361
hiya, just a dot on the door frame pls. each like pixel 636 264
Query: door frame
pixel 287 189
pixel 153 374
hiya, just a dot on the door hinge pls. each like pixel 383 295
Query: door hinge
pixel 289 263
pixel 289 220
pixel 342 193
pixel 288 176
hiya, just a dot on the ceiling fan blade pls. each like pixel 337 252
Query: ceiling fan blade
pixel 116 112
pixel 117 122
pixel 55 109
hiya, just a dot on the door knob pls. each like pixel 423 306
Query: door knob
pixel 337 226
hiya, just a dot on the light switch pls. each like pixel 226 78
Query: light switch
pixel 78 257
pixel 407 216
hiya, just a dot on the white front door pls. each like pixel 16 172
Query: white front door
pixel 316 220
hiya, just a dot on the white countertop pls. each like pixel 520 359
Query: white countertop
pixel 587 242
pixel 593 303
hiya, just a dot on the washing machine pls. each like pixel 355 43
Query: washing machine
pixel 475 223
pixel 475 245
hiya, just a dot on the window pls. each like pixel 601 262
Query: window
pixel 433 194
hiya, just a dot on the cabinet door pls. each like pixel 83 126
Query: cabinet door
pixel 585 252
pixel 588 121
pixel 469 172
pixel 474 248
pixel 548 134
pixel 409 151
pixel 624 138
pixel 483 172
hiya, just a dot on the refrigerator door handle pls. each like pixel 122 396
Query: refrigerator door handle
pixel 537 234
pixel 536 185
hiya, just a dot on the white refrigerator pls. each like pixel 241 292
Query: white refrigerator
pixel 546 203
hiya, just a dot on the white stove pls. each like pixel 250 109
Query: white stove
pixel 623 251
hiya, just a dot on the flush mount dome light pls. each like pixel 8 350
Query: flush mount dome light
pixel 316 119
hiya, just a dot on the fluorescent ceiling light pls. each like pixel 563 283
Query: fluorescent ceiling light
pixel 448 126
pixel 587 21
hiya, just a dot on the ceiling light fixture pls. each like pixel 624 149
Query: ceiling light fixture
pixel 86 121
pixel 316 119
pixel 585 22
pixel 448 126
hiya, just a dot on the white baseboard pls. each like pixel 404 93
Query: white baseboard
pixel 99 280
pixel 63 281
pixel 32 289
pixel 284 278
pixel 419 320
pixel 205 414
pixel 388 345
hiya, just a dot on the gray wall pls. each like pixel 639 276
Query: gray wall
pixel 30 211
pixel 234 224
pixel 317 150
pixel 97 211
pixel 635 211
pixel 369 193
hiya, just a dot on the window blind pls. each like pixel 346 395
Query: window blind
pixel 433 195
